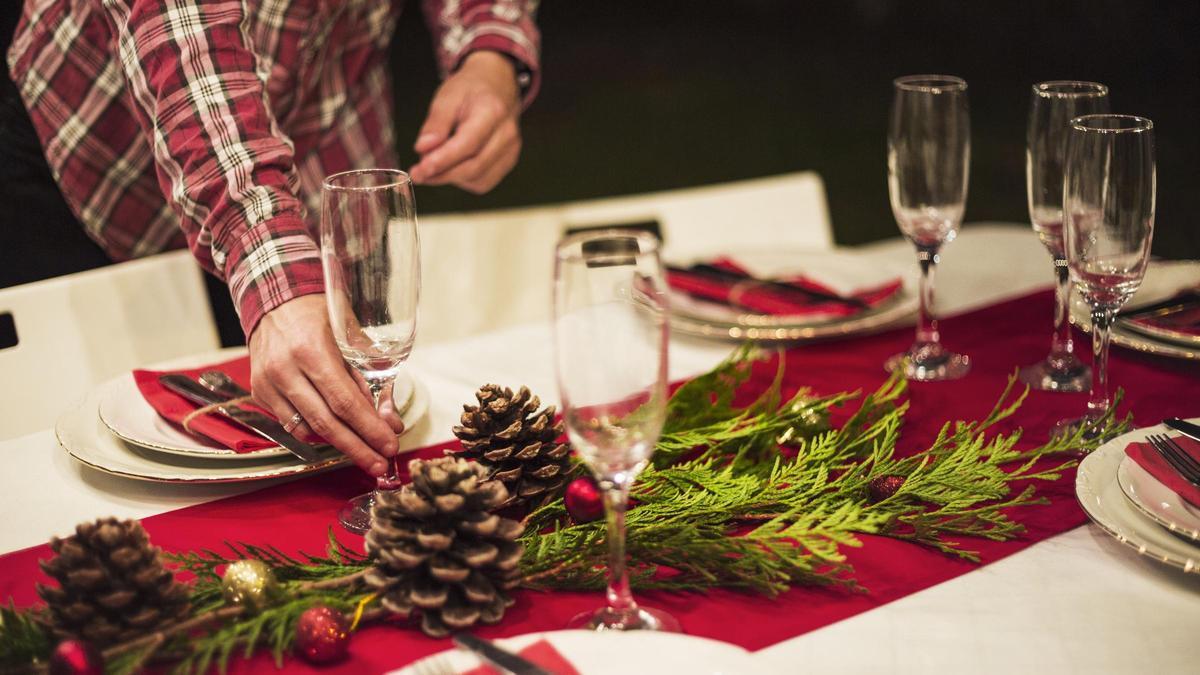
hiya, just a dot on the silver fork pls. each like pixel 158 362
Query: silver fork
pixel 438 664
pixel 1179 460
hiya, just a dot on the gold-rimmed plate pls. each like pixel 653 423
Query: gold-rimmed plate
pixel 1157 501
pixel 1100 494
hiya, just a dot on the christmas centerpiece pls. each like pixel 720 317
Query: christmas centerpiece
pixel 759 497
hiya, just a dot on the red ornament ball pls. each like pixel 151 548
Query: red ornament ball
pixel 322 634
pixel 584 501
pixel 74 657
pixel 882 487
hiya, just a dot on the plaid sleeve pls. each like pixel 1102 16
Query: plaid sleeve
pixel 221 159
pixel 460 27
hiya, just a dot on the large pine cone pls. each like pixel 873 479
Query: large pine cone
pixel 113 586
pixel 439 549
pixel 509 435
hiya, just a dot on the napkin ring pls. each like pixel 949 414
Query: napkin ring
pixel 211 408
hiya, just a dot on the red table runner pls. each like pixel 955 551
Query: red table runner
pixel 295 516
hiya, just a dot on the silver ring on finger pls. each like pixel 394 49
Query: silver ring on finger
pixel 293 422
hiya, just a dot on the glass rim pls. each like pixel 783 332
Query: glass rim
pixel 1130 124
pixel 398 178
pixel 1070 89
pixel 647 242
pixel 932 84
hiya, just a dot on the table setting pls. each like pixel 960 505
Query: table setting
pixel 714 464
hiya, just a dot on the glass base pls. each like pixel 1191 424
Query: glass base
pixel 1058 372
pixel 634 618
pixel 355 514
pixel 929 362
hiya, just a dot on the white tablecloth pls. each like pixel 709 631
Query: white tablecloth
pixel 1078 602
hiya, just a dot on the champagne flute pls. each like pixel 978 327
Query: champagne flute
pixel 1053 106
pixel 610 334
pixel 370 256
pixel 929 150
pixel 1108 208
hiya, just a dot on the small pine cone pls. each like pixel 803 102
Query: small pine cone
pixel 439 550
pixel 113 586
pixel 517 442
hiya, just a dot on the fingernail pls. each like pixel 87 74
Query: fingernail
pixel 378 469
pixel 391 448
pixel 424 138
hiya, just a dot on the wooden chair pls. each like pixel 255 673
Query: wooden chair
pixel 487 270
pixel 78 330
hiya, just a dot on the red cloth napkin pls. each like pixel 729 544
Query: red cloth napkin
pixel 1149 459
pixel 174 407
pixel 765 300
pixel 541 653
pixel 1186 321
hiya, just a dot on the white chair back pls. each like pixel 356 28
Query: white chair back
pixel 78 330
pixel 487 270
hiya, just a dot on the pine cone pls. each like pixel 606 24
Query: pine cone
pixel 113 586
pixel 509 435
pixel 439 549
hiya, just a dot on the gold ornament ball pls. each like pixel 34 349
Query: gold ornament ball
pixel 249 582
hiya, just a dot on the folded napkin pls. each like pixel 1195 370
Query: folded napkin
pixel 1185 320
pixel 767 300
pixel 175 408
pixel 541 653
pixel 1149 459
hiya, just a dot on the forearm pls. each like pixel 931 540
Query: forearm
pixel 221 161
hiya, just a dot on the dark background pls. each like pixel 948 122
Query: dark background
pixel 641 96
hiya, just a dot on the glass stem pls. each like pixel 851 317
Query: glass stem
pixel 391 479
pixel 1062 343
pixel 616 498
pixel 1102 319
pixel 927 327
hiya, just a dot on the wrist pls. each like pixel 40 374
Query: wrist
pixel 502 67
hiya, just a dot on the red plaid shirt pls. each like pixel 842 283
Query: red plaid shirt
pixel 213 122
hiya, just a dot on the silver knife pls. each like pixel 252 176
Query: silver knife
pixel 254 421
pixel 1184 427
pixel 501 658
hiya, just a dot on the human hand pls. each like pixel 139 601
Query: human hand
pixel 471 138
pixel 296 367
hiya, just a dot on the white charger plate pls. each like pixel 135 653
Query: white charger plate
pixel 1099 493
pixel 615 653
pixel 1164 279
pixel 1157 501
pixel 126 413
pixel 695 316
pixel 82 434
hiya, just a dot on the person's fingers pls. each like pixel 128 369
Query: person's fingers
pixel 327 373
pixel 478 120
pixel 267 396
pixel 484 170
pixel 323 421
pixel 439 123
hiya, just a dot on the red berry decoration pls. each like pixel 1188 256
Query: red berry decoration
pixel 322 634
pixel 882 487
pixel 74 657
pixel 584 501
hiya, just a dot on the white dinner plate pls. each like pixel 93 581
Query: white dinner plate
pixel 127 414
pixel 846 269
pixel 1157 501
pixel 82 434
pixel 615 653
pixel 1164 279
pixel 1104 502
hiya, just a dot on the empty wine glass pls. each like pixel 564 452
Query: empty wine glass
pixel 1108 209
pixel 610 335
pixel 1053 106
pixel 370 256
pixel 929 150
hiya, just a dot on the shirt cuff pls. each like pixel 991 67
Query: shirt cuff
pixel 274 262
